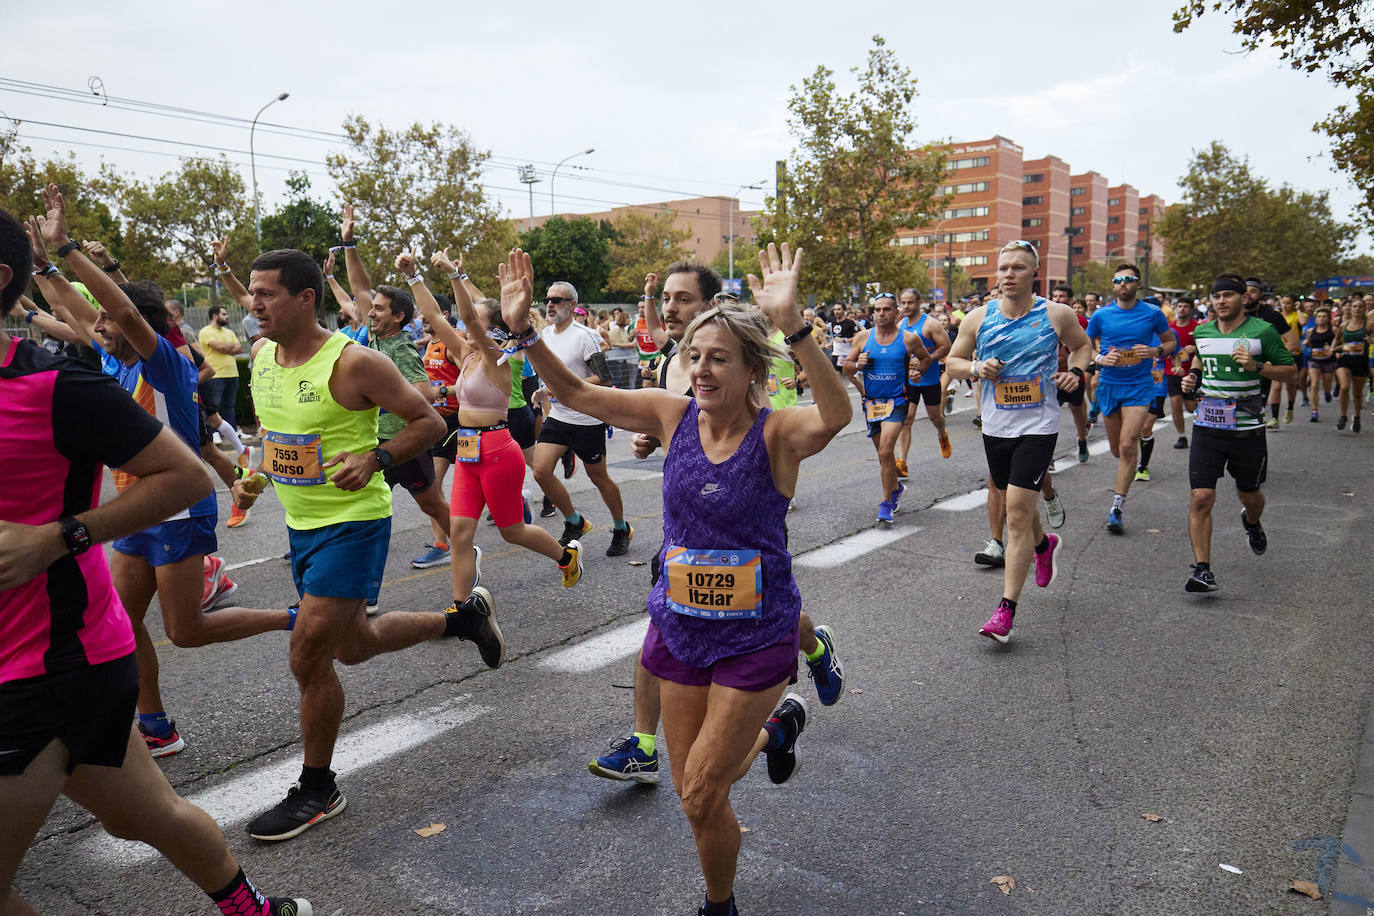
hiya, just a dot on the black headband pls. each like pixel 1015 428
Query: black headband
pixel 1228 285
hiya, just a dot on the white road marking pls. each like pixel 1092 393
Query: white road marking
pixel 250 563
pixel 963 503
pixel 241 797
pixel 852 547
pixel 1100 447
pixel 598 651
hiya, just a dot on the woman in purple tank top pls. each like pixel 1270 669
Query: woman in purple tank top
pixel 723 637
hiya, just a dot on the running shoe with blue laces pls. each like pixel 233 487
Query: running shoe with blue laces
pixel 897 496
pixel 885 512
pixel 1115 523
pixel 434 556
pixel 627 762
pixel 825 671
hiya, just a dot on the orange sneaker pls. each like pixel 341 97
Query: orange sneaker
pixel 902 469
pixel 945 448
pixel 237 516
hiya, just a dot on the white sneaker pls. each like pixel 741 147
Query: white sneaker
pixel 1054 512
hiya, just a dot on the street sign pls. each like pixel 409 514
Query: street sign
pixel 937 294
pixel 735 286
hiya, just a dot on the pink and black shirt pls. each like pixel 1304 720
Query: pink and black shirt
pixel 60 422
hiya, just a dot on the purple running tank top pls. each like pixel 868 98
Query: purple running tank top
pixel 731 507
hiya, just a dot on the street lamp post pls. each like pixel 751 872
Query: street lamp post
pixel 756 186
pixel 529 178
pixel 253 163
pixel 585 152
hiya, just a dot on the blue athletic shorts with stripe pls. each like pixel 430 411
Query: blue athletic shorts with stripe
pixel 171 542
pixel 1111 397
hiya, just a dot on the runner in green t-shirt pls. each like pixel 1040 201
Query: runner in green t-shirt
pixel 1234 354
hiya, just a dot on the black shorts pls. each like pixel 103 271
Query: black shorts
pixel 1020 462
pixel 207 435
pixel 416 475
pixel 1175 383
pixel 587 442
pixel 1157 406
pixel 89 710
pixel 447 447
pixel 1358 364
pixel 521 423
pixel 1215 451
pixel 528 386
pixel 930 395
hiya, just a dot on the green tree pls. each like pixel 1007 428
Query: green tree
pixel 1333 36
pixel 642 243
pixel 576 250
pixel 421 187
pixel 302 222
pixel 170 222
pixel 746 260
pixel 1231 220
pixel 23 177
pixel 853 180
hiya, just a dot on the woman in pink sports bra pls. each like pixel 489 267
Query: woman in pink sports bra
pixel 488 467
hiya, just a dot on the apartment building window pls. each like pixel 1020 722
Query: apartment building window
pixel 1032 222
pixel 980 235
pixel 972 260
pixel 1144 227
pixel 925 241
pixel 965 212
pixel 1113 220
pixel 1143 210
pixel 1113 201
pixel 1077 211
pixel 1078 249
pixel 1113 237
pixel 1077 192
pixel 1034 178
pixel 967 187
pixel 1032 200
pixel 976 162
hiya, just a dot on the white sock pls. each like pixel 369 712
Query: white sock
pixel 228 434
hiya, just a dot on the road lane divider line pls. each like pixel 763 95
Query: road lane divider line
pixel 241 797
pixel 598 651
pixel 233 566
pixel 963 502
pixel 852 547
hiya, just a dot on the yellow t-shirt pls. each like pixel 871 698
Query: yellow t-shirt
pixel 225 366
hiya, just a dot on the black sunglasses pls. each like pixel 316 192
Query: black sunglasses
pixel 558 300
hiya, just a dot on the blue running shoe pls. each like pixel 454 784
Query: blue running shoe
pixel 434 556
pixel 627 763
pixel 885 512
pixel 825 672
pixel 897 495
pixel 529 516
pixel 1115 524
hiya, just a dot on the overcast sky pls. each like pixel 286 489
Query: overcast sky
pixel 677 100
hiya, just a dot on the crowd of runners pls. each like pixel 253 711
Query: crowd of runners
pixel 420 386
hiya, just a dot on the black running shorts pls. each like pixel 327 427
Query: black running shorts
pixel 90 710
pixel 587 442
pixel 1020 462
pixel 415 475
pixel 1215 451
pixel 930 395
pixel 520 420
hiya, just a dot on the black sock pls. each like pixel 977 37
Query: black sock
pixel 720 909
pixel 1274 411
pixel 456 623
pixel 1147 447
pixel 1201 566
pixel 566 558
pixel 1245 520
pixel 1009 605
pixel 1044 544
pixel 316 778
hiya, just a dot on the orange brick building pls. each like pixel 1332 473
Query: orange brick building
pixel 996 196
pixel 706 218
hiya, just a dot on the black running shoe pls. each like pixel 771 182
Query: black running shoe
pixel 1355 425
pixel 1259 541
pixel 1341 421
pixel 1201 580
pixel 791 715
pixel 548 509
pixel 569 464
pixel 620 541
pixel 290 906
pixel 978 422
pixel 477 624
pixel 1182 442
pixel 297 813
pixel 574 530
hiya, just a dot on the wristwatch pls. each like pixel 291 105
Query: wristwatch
pixel 74 535
pixel 383 457
pixel 792 340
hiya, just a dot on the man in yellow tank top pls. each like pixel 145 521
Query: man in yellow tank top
pixel 317 395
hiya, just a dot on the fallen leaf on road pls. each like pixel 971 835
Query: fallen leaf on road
pixel 1153 531
pixel 1152 818
pixel 1305 887
pixel 743 829
pixel 432 829
pixel 636 562
pixel 856 690
pixel 1231 868
pixel 1006 882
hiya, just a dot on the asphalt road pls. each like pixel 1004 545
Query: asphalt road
pixel 1237 720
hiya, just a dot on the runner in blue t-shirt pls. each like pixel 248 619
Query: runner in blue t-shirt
pixel 923 386
pixel 167 559
pixel 881 354
pixel 1122 332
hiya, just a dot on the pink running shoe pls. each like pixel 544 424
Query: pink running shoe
pixel 1045 567
pixel 212 570
pixel 998 626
